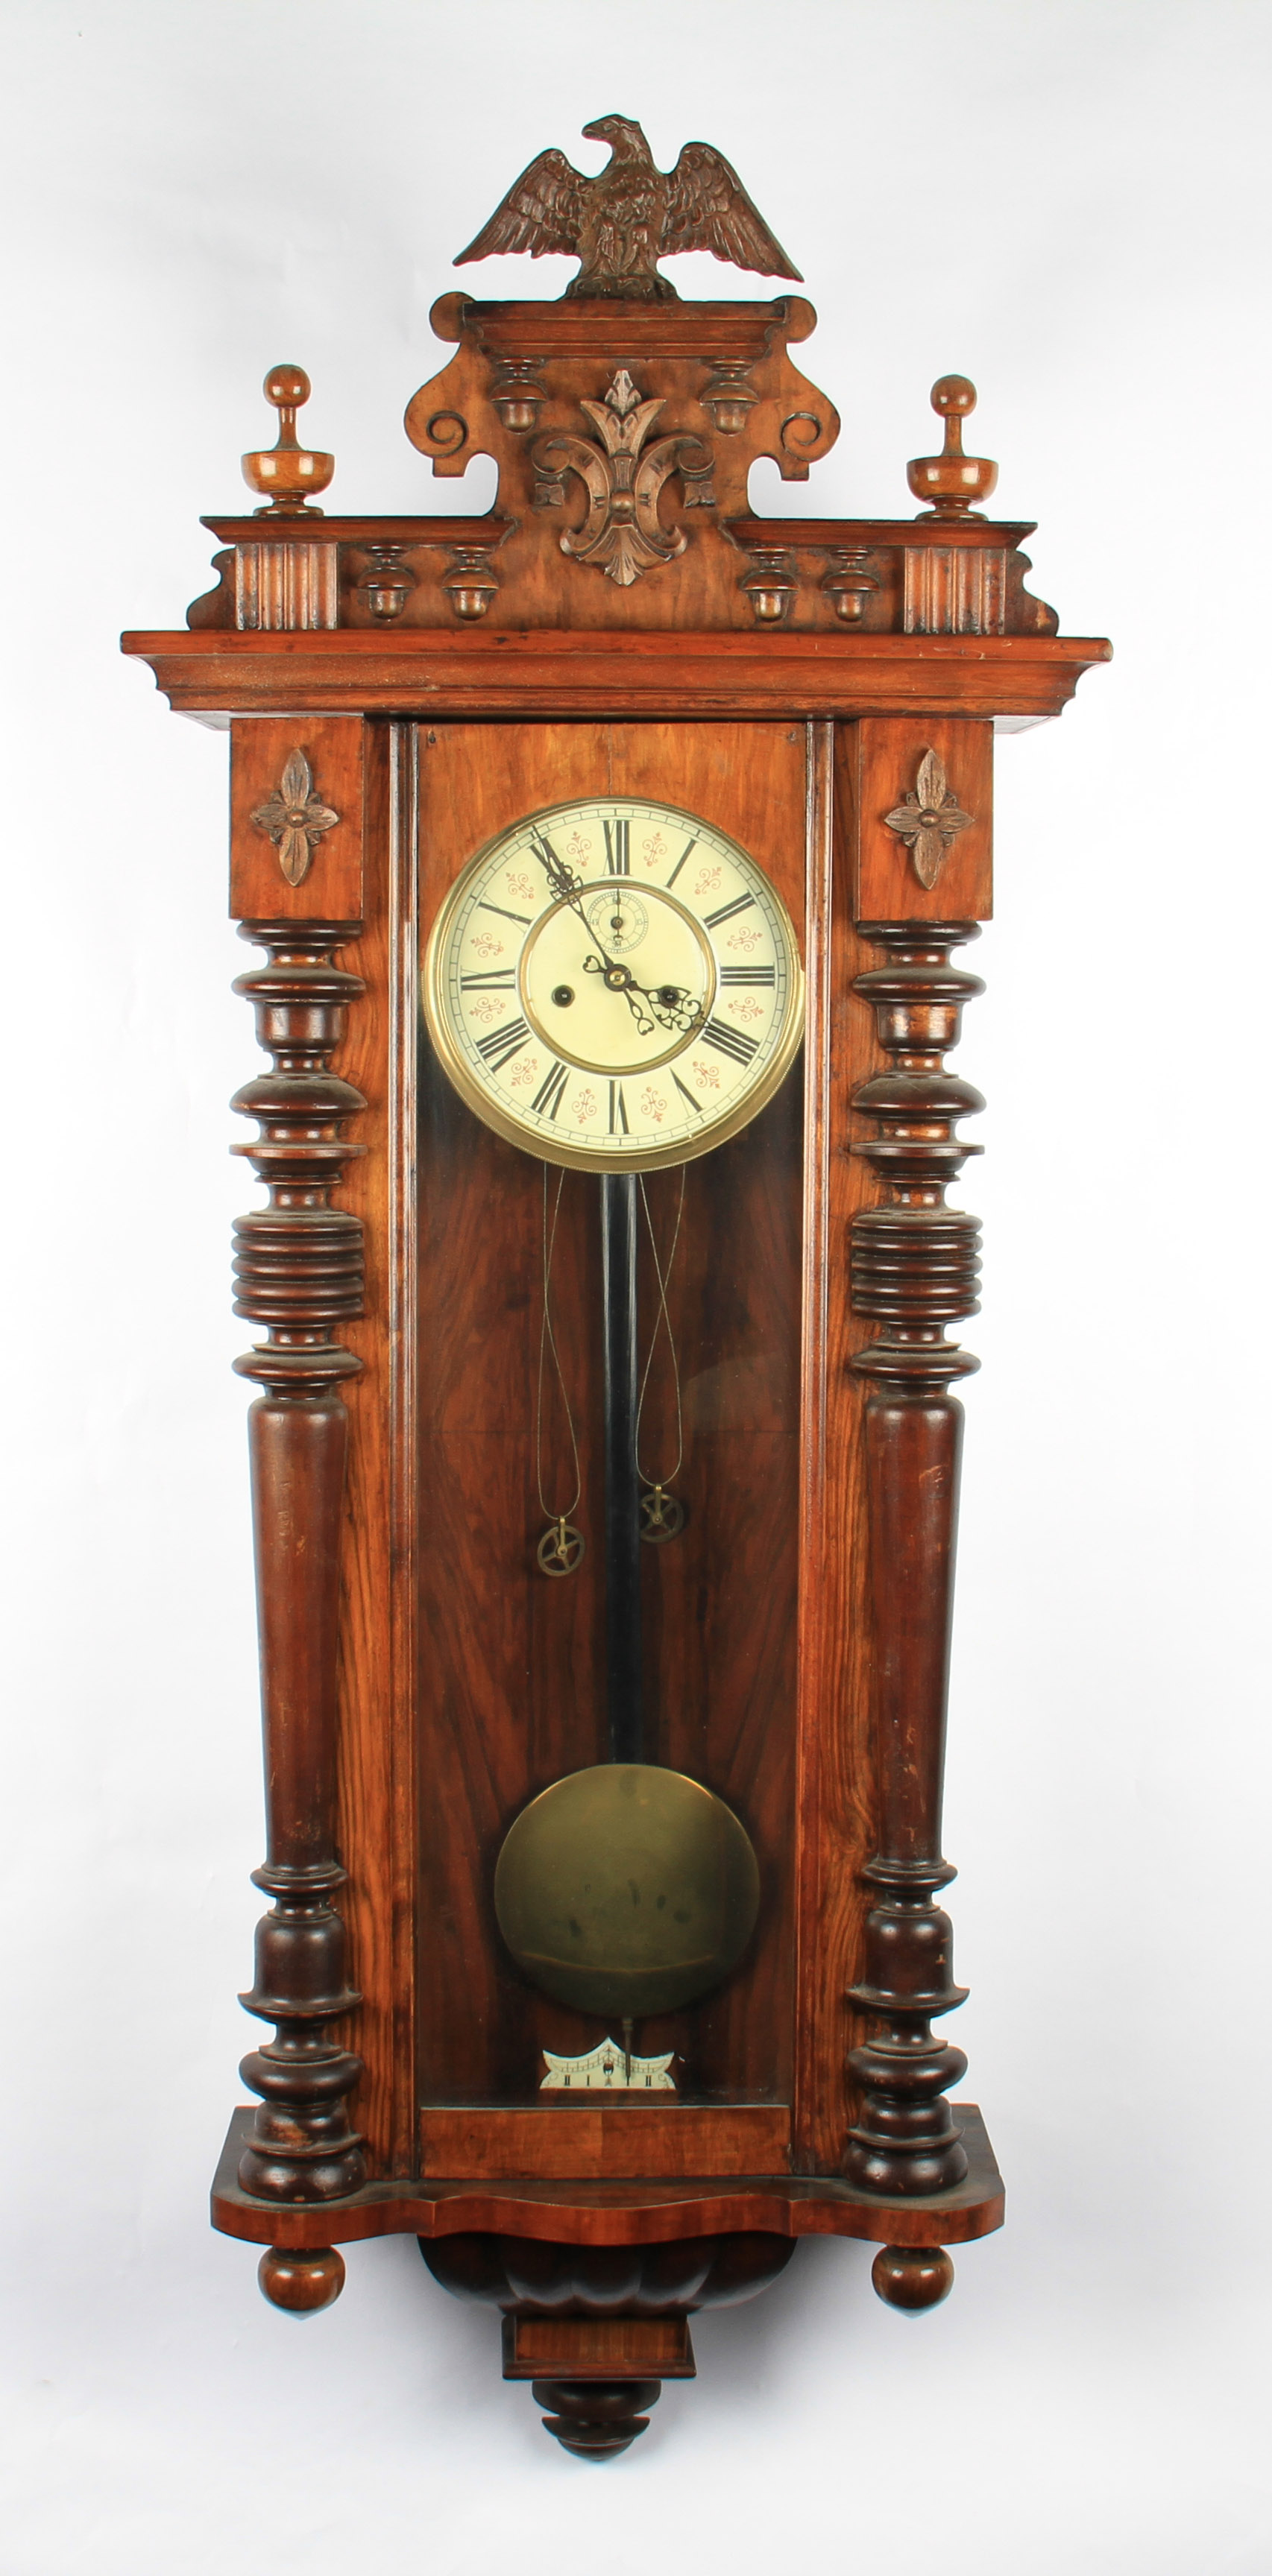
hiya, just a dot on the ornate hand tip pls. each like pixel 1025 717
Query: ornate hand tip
pixel 287 471
pixel 952 481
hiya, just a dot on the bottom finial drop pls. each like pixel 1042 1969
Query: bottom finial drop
pixel 912 2277
pixel 596 2419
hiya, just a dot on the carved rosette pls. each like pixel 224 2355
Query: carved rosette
pixel 295 818
pixel 299 1273
pixel 929 819
pixel 915 1266
pixel 622 534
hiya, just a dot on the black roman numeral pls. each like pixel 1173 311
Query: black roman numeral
pixel 748 975
pixel 543 851
pixel 618 848
pixel 695 1105
pixel 689 847
pixel 547 1099
pixel 729 1041
pixel 525 918
pixel 500 980
pixel 740 903
pixel 618 1111
pixel 503 1043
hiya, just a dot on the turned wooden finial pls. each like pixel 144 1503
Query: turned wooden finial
pixel 952 481
pixel 301 2283
pixel 287 471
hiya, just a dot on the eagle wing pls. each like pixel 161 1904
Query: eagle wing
pixel 708 209
pixel 541 213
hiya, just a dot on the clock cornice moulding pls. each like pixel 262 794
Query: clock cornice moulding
pixel 1021 678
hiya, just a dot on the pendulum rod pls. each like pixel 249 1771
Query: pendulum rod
pixel 624 1693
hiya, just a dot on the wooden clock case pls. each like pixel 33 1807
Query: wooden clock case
pixel 397 690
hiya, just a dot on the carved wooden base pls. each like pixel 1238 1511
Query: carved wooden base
pixel 608 2322
pixel 598 2280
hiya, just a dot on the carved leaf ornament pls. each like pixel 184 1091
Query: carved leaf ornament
pixel 930 818
pixel 622 534
pixel 295 818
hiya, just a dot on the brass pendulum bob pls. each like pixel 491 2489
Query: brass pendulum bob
pixel 625 1889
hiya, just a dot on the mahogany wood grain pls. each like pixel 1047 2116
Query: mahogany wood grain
pixel 426 530
pixel 591 2140
pixel 545 674
pixel 624 2213
pixel 972 536
pixel 598 2348
pixel 888 752
pixel 331 888
pixel 589 326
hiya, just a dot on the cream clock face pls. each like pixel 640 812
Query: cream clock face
pixel 614 984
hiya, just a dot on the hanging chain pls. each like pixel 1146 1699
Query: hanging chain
pixel 560 1550
pixel 662 1514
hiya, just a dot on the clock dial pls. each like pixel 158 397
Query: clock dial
pixel 614 984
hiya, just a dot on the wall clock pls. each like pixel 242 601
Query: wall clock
pixel 610 858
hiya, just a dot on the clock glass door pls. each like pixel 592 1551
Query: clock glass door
pixel 640 1186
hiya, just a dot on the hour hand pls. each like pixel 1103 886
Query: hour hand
pixel 671 1005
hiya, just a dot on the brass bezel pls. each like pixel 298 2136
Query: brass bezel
pixel 573 1158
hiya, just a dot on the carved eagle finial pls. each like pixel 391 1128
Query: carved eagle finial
pixel 623 222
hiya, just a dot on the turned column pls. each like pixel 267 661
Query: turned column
pixel 915 1265
pixel 299 1273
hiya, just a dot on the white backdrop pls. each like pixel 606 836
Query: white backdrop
pixel 1066 202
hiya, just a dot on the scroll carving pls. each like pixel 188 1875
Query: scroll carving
pixel 915 1265
pixel 299 1274
pixel 622 534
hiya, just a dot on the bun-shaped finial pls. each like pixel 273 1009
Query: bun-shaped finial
pixel 287 472
pixel 952 481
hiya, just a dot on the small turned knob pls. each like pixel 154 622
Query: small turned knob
pixel 952 481
pixel 912 2277
pixel 301 2283
pixel 287 471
